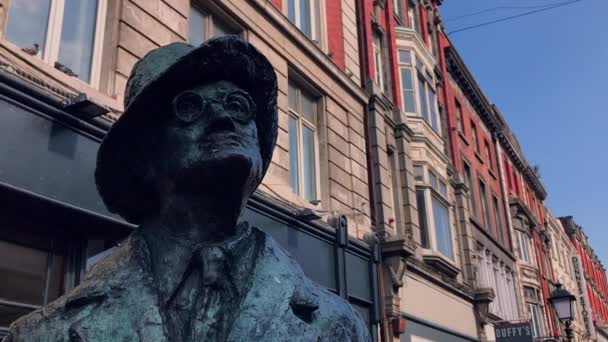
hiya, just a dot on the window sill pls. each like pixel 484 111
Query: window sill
pixel 40 69
pixel 441 263
pixel 463 138
pixel 479 157
pixel 492 173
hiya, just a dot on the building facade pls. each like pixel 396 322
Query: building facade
pixel 524 195
pixel 52 52
pixel 413 186
pixel 489 259
pixel 562 252
pixel 590 276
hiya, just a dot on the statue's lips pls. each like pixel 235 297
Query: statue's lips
pixel 219 137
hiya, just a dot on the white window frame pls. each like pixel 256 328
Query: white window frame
pixel 430 192
pixel 409 66
pixel 378 61
pixel 421 73
pixel 413 16
pixel 416 67
pixel 302 121
pixel 316 8
pixel 53 37
pixel 524 248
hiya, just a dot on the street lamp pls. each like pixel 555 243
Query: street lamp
pixel 562 302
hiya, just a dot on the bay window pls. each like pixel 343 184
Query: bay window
pixel 522 241
pixel 303 145
pixel 202 25
pixel 65 34
pixel 433 212
pixel 408 96
pixel 421 81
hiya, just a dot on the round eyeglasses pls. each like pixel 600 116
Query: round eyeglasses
pixel 189 105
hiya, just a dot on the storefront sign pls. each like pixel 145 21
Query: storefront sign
pixel 581 294
pixel 583 299
pixel 514 332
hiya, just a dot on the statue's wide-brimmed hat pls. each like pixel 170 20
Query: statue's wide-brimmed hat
pixel 155 80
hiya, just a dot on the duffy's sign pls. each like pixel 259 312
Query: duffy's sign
pixel 513 332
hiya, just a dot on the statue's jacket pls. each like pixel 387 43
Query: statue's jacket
pixel 120 301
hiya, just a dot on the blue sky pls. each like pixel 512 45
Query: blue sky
pixel 547 73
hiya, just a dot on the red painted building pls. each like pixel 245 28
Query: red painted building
pixel 595 283
pixel 524 194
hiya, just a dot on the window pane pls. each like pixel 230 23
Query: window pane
pixel 197 26
pixel 405 56
pixel 308 107
pixel 433 112
pixel 418 173
pixel 443 188
pixel 78 36
pixel 305 22
pixel 422 218
pixel 310 178
pixel 407 85
pixel 220 28
pixel 293 97
pixel 28 23
pixel 291 10
pixel 293 155
pixel 23 273
pixel 422 97
pixel 9 314
pixel 469 181
pixel 442 228
pixel 433 180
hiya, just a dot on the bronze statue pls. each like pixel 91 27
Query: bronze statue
pixel 194 142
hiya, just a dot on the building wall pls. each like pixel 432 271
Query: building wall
pixel 594 273
pixel 329 67
pixel 561 259
pixel 489 262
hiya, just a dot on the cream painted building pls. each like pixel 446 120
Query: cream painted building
pixel 562 252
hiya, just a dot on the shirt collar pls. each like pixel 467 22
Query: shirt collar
pixel 238 252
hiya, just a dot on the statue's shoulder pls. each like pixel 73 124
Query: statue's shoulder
pixel 105 281
pixel 337 318
pixel 334 317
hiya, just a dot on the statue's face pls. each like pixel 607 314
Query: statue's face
pixel 211 141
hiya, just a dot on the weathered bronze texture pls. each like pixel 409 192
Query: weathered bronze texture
pixel 193 144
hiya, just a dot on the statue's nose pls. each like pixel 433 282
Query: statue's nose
pixel 219 118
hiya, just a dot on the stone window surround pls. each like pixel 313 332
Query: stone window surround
pixel 297 80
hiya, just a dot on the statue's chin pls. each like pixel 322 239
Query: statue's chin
pixel 225 174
